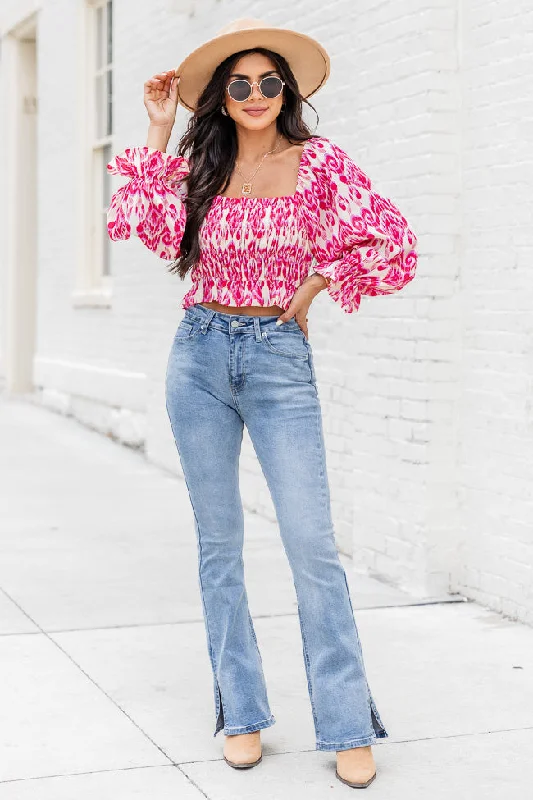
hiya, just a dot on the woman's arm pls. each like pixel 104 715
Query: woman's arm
pixel 151 204
pixel 359 239
pixel 158 137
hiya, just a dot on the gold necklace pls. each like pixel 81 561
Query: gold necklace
pixel 247 185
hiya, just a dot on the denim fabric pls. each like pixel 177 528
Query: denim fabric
pixel 226 371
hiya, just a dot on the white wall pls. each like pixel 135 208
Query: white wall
pixel 495 417
pixel 406 131
pixel 426 394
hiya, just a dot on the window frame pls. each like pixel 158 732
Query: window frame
pixel 94 282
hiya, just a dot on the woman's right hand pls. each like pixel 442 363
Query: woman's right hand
pixel 161 98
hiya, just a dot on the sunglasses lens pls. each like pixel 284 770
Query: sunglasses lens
pixel 239 90
pixel 271 87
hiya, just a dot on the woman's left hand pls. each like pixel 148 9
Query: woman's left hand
pixel 302 299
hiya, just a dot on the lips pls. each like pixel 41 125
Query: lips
pixel 255 112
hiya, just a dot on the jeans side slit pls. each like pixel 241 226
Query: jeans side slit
pixel 377 725
pixel 307 663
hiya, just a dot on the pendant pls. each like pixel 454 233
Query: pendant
pixel 247 188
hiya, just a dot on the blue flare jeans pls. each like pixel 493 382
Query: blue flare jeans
pixel 229 370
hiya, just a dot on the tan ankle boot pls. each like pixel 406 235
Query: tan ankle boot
pixel 356 766
pixel 243 750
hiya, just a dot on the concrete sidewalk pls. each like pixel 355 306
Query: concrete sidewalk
pixel 105 682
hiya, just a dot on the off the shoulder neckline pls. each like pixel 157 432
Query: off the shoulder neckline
pixel 304 162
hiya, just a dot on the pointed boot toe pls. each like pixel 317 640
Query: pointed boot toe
pixel 243 764
pixel 354 784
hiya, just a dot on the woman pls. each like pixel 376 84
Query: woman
pixel 249 204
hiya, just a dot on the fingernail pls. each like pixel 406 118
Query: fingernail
pixel 279 322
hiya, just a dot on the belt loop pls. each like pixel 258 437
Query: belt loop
pixel 208 317
pixel 257 329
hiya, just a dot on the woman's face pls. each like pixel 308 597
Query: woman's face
pixel 253 67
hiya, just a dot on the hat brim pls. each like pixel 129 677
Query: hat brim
pixel 307 58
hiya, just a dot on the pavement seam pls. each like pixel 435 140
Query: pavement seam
pixel 172 765
pixel 376 744
pixel 103 691
pixel 200 620
pixel 265 755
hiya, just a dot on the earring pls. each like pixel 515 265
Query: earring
pixel 223 109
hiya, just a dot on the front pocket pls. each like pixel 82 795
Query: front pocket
pixel 290 344
pixel 186 330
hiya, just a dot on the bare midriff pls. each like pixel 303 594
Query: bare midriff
pixel 253 311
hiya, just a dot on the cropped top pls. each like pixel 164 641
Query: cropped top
pixel 257 250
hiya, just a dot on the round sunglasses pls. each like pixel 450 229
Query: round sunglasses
pixel 241 89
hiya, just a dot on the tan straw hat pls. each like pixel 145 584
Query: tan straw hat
pixel 307 58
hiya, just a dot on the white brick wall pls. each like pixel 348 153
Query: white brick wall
pixel 427 394
pixel 495 418
pixel 404 381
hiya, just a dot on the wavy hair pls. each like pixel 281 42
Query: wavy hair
pixel 210 146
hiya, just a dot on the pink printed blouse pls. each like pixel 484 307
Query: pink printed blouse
pixel 257 250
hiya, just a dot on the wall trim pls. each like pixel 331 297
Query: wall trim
pixel 108 385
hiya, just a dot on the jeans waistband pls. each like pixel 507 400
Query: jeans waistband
pixel 236 323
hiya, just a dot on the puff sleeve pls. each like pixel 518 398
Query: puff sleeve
pixel 151 204
pixel 359 239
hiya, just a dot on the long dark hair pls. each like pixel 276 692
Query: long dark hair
pixel 210 145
